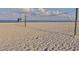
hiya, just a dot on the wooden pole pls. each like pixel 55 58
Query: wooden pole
pixel 25 21
pixel 76 18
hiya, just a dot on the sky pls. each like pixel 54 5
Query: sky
pixel 48 14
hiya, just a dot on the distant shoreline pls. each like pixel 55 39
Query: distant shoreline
pixel 15 21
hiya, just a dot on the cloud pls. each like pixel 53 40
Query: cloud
pixel 8 15
pixel 40 11
pixel 45 12
pixel 24 10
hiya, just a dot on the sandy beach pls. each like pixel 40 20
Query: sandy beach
pixel 56 36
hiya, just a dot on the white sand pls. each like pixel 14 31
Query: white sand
pixel 38 37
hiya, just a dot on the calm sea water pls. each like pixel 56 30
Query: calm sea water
pixel 9 20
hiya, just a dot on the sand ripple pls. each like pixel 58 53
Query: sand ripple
pixel 26 39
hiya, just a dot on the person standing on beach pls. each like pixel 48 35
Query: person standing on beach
pixel 19 19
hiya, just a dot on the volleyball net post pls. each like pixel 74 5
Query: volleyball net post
pixel 76 18
pixel 25 20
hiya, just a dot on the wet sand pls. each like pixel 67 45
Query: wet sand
pixel 38 37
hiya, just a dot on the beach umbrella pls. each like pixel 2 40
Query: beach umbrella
pixel 76 18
